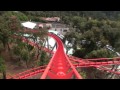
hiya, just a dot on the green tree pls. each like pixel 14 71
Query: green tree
pixel 4 32
pixel 8 25
pixel 44 58
pixel 2 67
pixel 25 56
pixel 100 53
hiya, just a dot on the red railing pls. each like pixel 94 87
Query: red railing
pixel 60 66
pixel 28 73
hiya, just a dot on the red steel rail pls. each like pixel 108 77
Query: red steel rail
pixel 60 66
pixel 28 73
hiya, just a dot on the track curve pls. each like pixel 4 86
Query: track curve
pixel 60 66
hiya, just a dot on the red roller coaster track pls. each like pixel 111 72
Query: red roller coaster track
pixel 60 66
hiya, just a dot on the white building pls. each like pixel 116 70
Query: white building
pixel 29 25
pixel 61 30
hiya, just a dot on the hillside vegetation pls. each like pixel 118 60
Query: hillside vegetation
pixel 90 32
